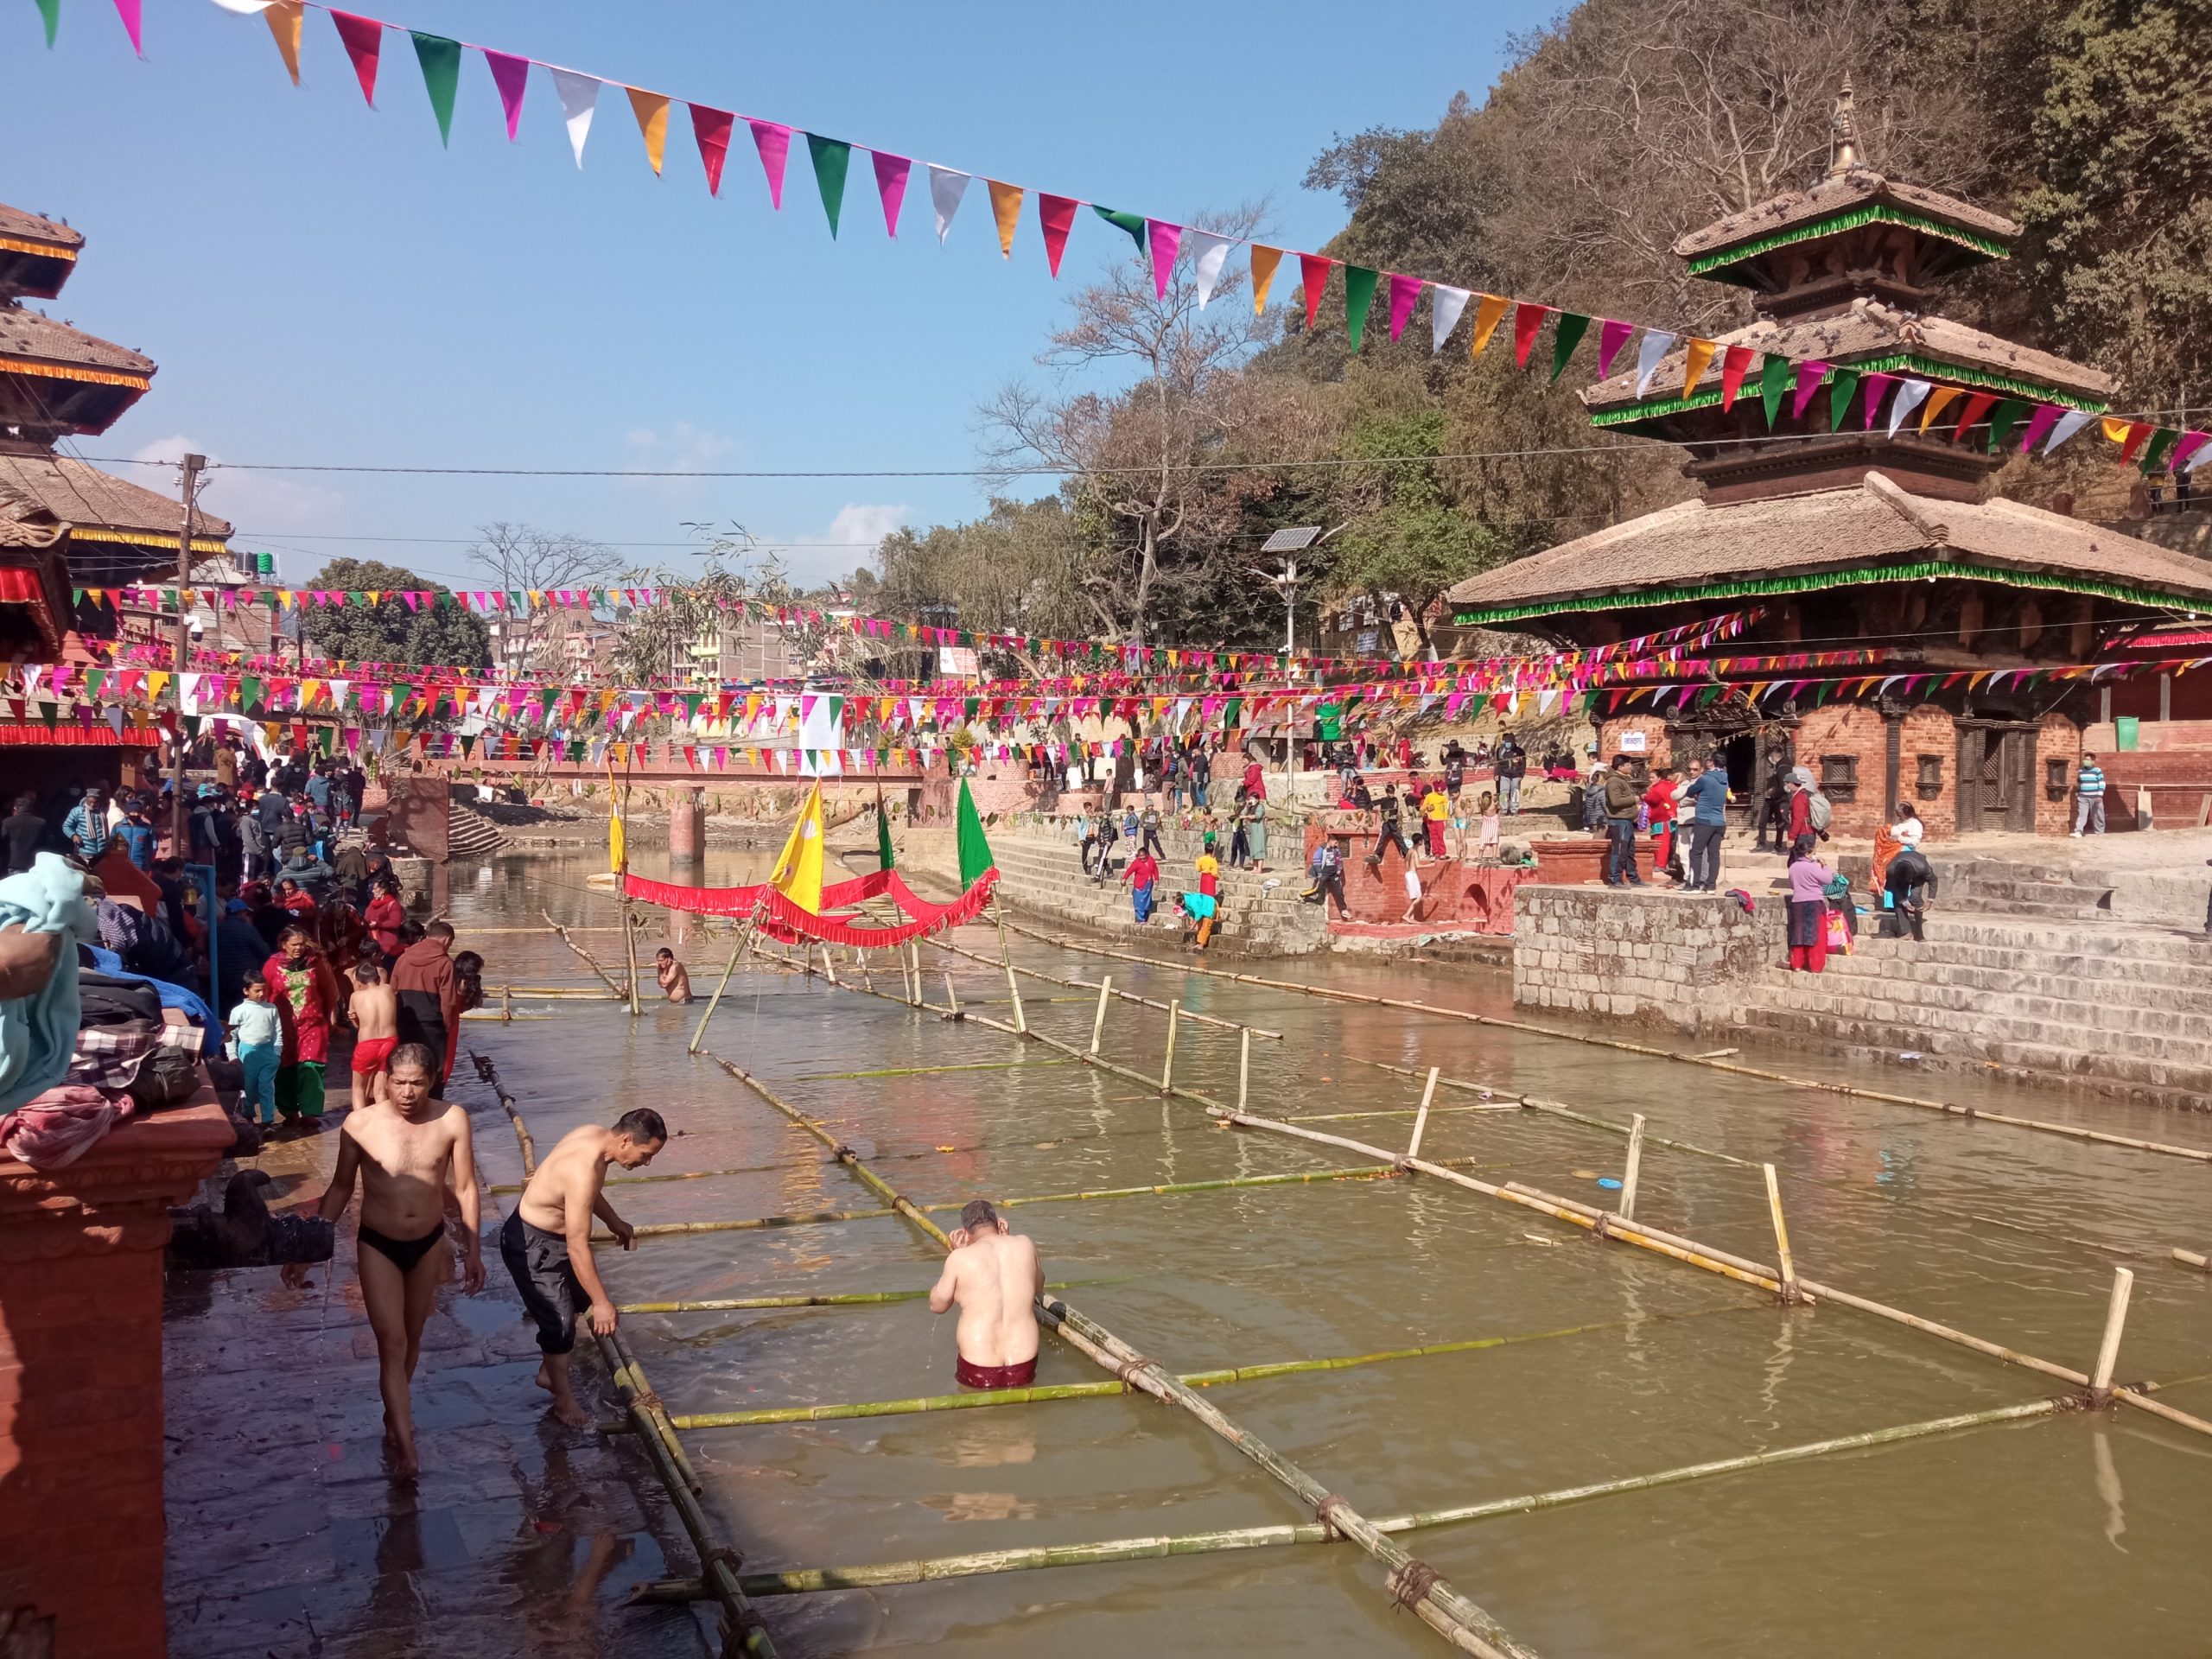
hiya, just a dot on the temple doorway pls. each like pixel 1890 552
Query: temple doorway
pixel 1997 776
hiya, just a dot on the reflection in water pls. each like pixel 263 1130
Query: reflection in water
pixel 2109 1487
pixel 982 1506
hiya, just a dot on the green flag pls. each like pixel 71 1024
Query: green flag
pixel 440 62
pixel 2002 418
pixel 1566 337
pixel 1842 389
pixel 883 832
pixel 1130 224
pixel 1359 295
pixel 2154 453
pixel 1775 375
pixel 975 851
pixel 832 157
pixel 51 10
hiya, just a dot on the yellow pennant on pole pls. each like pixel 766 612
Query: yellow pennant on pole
pixel 618 853
pixel 797 874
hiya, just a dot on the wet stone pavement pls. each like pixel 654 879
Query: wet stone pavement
pixel 287 1538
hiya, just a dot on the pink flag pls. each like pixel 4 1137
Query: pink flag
pixel 773 140
pixel 2041 421
pixel 1056 214
pixel 1314 272
pixel 509 74
pixel 890 184
pixel 1809 376
pixel 364 42
pixel 1878 388
pixel 1611 336
pixel 1165 238
pixel 712 128
pixel 2190 443
pixel 1405 293
pixel 128 11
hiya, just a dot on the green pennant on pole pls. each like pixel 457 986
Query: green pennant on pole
pixel 832 157
pixel 976 857
pixel 1775 375
pixel 1843 386
pixel 440 62
pixel 2002 418
pixel 1568 336
pixel 883 832
pixel 1131 224
pixel 51 10
pixel 1359 296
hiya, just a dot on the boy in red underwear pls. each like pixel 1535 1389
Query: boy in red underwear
pixel 375 1008
pixel 994 1275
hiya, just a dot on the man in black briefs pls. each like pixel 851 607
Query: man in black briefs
pixel 547 1241
pixel 410 1150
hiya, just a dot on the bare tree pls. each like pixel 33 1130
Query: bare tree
pixel 521 558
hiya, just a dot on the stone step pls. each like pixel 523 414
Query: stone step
pixel 2172 948
pixel 2085 1030
pixel 2003 974
pixel 2115 1072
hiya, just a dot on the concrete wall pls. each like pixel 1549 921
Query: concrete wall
pixel 1674 959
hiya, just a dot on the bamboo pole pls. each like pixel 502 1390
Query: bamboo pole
pixel 1458 1620
pixel 1421 1122
pixel 2191 1259
pixel 809 1580
pixel 1098 1020
pixel 1790 1292
pixel 743 943
pixel 1006 959
pixel 1167 1065
pixel 488 1072
pixel 612 985
pixel 1123 997
pixel 951 997
pixel 1633 1168
pixel 820 1298
pixel 1243 1069
pixel 2199 1154
pixel 507 1003
pixel 2123 1287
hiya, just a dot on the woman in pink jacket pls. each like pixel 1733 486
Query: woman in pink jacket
pixel 1808 907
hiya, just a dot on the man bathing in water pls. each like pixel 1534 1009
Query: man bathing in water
pixel 994 1274
pixel 547 1242
pixel 410 1150
pixel 674 978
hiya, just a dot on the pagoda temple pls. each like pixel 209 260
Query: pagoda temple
pixel 1850 529
pixel 66 526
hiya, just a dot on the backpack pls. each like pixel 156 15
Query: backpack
pixel 1818 812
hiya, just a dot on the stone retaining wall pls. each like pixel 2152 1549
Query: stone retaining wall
pixel 1679 959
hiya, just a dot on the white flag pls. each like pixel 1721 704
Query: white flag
pixel 1208 251
pixel 1446 305
pixel 1909 396
pixel 579 97
pixel 2066 426
pixel 946 187
pixel 1648 350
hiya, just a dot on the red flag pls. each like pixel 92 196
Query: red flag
pixel 1527 317
pixel 364 41
pixel 1313 271
pixel 1735 364
pixel 712 128
pixel 2138 432
pixel 1056 215
pixel 1978 404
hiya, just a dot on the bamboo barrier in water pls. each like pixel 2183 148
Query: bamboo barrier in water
pixel 1973 1113
pixel 805 1580
pixel 1104 989
pixel 590 961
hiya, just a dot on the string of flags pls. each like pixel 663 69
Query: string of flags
pixel 1710 370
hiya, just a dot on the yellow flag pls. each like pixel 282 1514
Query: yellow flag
pixel 797 874
pixel 618 848
pixel 1006 207
pixel 651 110
pixel 2116 430
pixel 285 19
pixel 1489 308
pixel 1264 261
pixel 1699 354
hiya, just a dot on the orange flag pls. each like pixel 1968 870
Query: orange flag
pixel 651 110
pixel 1006 207
pixel 1264 261
pixel 1938 400
pixel 285 19
pixel 1490 309
pixel 1700 354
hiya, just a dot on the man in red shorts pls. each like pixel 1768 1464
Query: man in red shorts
pixel 375 1008
pixel 994 1274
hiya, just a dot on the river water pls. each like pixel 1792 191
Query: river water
pixel 2073 1533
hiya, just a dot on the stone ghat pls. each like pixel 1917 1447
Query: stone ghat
pixel 1673 959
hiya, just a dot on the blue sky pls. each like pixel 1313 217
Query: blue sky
pixel 322 283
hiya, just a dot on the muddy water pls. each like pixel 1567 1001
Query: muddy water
pixel 2075 1534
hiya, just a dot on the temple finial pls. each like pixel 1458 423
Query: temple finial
pixel 1846 127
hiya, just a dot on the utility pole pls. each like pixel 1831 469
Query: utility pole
pixel 192 464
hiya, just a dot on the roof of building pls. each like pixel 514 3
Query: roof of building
pixel 25 333
pixel 44 488
pixel 13 533
pixel 1842 193
pixel 1872 532
pixel 1868 335
pixel 30 227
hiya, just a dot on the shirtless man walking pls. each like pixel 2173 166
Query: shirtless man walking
pixel 546 1242
pixel 409 1150
pixel 993 1273
pixel 375 1009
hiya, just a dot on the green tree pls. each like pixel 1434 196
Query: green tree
pixel 441 633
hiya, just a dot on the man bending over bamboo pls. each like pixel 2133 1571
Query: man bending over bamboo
pixel 994 1274
pixel 546 1242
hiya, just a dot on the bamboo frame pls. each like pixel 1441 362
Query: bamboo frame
pixel 589 960
pixel 1124 996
